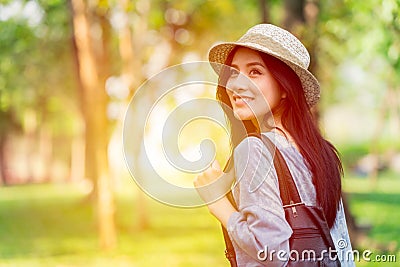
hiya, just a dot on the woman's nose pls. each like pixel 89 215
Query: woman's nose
pixel 238 83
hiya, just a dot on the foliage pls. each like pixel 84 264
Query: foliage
pixel 36 67
pixel 33 78
pixel 359 33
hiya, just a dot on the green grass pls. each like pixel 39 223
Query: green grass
pixel 52 225
pixel 377 204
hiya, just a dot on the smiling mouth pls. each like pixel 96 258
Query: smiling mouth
pixel 241 100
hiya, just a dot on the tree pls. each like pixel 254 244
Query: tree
pixel 94 102
pixel 37 100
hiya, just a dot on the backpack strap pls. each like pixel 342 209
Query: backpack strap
pixel 287 187
pixel 230 253
pixel 229 249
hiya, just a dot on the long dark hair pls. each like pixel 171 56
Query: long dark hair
pixel 320 155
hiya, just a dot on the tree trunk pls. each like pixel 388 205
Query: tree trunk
pixel 131 73
pixel 294 14
pixel 78 154
pixel 95 101
pixel 389 107
pixel 45 153
pixel 77 158
pixel 3 164
pixel 264 11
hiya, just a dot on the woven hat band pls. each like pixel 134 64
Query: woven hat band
pixel 271 46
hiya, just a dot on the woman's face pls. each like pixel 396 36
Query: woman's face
pixel 251 88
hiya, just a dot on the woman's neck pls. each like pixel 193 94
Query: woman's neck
pixel 267 123
pixel 274 124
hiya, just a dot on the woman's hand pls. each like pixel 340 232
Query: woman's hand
pixel 208 176
pixel 213 185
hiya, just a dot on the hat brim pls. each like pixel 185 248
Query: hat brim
pixel 219 53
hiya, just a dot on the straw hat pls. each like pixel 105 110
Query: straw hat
pixel 279 43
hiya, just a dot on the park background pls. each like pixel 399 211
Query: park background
pixel 68 70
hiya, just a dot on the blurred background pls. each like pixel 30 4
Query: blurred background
pixel 68 69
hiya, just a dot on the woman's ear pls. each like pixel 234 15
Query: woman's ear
pixel 284 95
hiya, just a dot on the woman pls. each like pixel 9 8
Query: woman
pixel 268 89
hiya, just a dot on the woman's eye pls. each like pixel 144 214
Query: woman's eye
pixel 233 73
pixel 254 72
